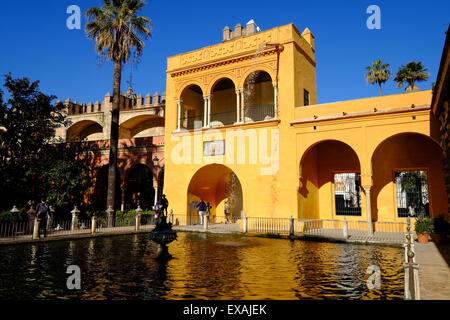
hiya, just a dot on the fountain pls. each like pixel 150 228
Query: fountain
pixel 163 234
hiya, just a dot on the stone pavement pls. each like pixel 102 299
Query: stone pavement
pixel 434 270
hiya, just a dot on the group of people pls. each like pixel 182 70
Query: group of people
pixel 204 209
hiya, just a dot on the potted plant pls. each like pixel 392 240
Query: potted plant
pixel 441 229
pixel 424 226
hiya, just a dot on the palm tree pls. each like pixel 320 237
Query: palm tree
pixel 117 30
pixel 412 72
pixel 378 73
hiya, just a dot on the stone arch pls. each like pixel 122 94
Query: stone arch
pixel 260 68
pixel 396 155
pixel 139 187
pixel 214 81
pixel 318 168
pixel 223 103
pixel 259 96
pixel 84 129
pixel 99 196
pixel 142 125
pixel 192 106
pixel 187 85
pixel 214 183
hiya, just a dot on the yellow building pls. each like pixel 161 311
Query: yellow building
pixel 242 123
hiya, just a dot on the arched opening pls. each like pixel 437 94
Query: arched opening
pixel 259 98
pixel 214 183
pixel 85 129
pixel 223 103
pixel 139 189
pixel 192 108
pixel 99 196
pixel 142 126
pixel 329 182
pixel 408 178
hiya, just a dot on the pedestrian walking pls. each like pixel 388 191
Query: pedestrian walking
pixel 42 211
pixel 201 209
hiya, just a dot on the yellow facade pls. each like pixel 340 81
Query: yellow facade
pixel 249 92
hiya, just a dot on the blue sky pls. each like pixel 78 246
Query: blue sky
pixel 37 44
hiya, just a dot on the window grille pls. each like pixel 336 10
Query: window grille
pixel 347 194
pixel 412 193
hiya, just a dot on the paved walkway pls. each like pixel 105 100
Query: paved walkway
pixel 434 271
pixel 213 228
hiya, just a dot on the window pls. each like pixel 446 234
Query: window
pixel 347 194
pixel 305 97
pixel 412 193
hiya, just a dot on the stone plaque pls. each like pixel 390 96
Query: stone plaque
pixel 213 148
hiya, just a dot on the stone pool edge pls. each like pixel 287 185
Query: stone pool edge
pixel 180 229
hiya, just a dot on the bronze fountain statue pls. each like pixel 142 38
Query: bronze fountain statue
pixel 163 234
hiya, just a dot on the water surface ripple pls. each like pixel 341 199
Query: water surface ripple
pixel 205 266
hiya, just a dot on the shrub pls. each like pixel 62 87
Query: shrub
pixel 424 225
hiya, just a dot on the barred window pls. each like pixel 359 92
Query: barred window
pixel 412 193
pixel 347 194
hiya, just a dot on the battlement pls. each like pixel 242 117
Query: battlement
pixel 128 101
pixel 240 31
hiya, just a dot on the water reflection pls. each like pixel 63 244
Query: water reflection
pixel 205 266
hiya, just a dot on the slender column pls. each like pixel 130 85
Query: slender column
pixel 238 106
pixel 156 195
pixel 368 210
pixel 242 106
pixel 179 114
pixel 205 111
pixel 275 99
pixel 209 109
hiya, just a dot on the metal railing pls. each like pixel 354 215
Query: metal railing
pixel 61 227
pixel 259 113
pixel 223 118
pixel 16 229
pixel 326 228
pixel 268 225
pixel 227 118
pixel 189 122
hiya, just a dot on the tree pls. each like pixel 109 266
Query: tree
pixel 33 163
pixel 411 73
pixel 117 30
pixel 378 73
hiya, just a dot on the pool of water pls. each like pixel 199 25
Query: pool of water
pixel 205 266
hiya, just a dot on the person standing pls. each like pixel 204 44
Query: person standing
pixel 31 215
pixel 42 211
pixel 201 209
pixel 227 211
pixel 208 211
